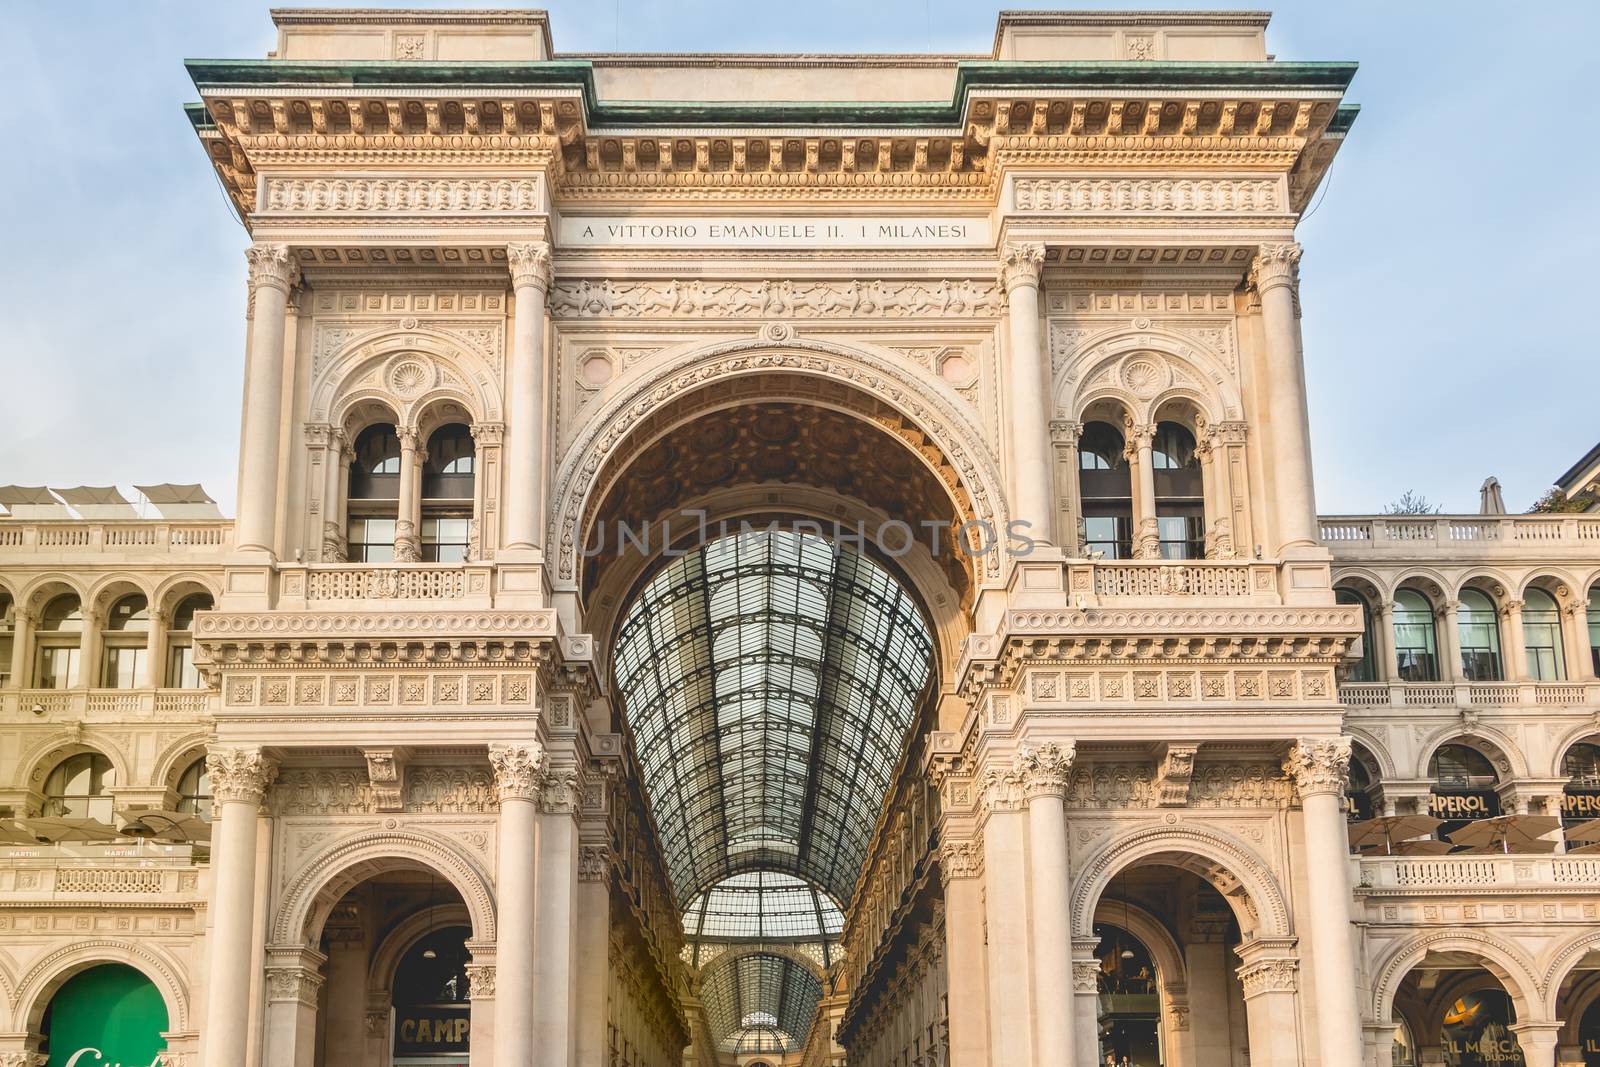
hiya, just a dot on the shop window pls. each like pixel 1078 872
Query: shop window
pixel 432 1013
pixel 108 1014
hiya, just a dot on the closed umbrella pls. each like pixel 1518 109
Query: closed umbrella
pixel 54 830
pixel 1490 500
pixel 1387 831
pixel 162 825
pixel 1503 833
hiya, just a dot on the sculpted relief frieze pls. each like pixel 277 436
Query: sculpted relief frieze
pixel 1240 196
pixel 788 299
pixel 390 195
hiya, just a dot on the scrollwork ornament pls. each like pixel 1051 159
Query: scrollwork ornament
pixel 960 859
pixel 519 770
pixel 1276 264
pixel 1318 765
pixel 480 979
pixel 560 795
pixel 1021 263
pixel 271 265
pixel 1044 770
pixel 530 264
pixel 1086 975
pixel 240 774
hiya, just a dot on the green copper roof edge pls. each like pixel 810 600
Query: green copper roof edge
pixel 1344 118
pixel 970 75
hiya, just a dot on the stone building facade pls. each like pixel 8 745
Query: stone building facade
pixel 1020 718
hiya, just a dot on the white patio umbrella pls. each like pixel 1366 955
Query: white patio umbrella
pixel 1505 833
pixel 54 830
pixel 1587 830
pixel 162 825
pixel 1387 831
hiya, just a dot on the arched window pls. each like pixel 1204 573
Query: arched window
pixel 1366 670
pixel 181 671
pixel 1415 645
pixel 1180 493
pixel 1130 995
pixel 447 491
pixel 1463 787
pixel 79 788
pixel 194 790
pixel 1477 621
pixel 8 635
pixel 1594 628
pixel 126 642
pixel 1358 788
pixel 1541 636
pixel 1106 491
pixel 374 495
pixel 1404 1048
pixel 60 634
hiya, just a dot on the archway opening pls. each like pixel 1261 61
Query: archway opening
pixel 1455 1010
pixel 109 1013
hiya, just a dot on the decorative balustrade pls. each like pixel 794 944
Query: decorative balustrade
pixel 1161 578
pixel 118 538
pixel 125 703
pixel 1469 694
pixel 1357 536
pixel 1443 875
pixel 166 872
pixel 398 582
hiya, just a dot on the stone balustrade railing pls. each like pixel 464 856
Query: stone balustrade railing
pixel 1362 536
pixel 132 538
pixel 1185 578
pixel 1474 873
pixel 1469 694
pixel 122 703
pixel 128 872
pixel 346 585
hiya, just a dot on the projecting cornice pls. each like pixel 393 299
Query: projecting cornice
pixel 547 118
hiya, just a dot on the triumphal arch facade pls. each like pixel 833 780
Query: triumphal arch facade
pixel 778 559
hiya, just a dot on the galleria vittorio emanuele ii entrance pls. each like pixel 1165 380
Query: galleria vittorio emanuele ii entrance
pixel 787 561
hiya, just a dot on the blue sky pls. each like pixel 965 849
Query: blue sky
pixel 1441 284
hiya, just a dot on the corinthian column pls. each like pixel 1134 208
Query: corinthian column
pixel 1044 785
pixel 1275 274
pixel 239 780
pixel 519 772
pixel 555 968
pixel 408 516
pixel 1318 769
pixel 1139 450
pixel 271 275
pixel 530 280
pixel 1027 393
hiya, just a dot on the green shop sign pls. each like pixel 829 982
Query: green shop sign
pixel 108 1016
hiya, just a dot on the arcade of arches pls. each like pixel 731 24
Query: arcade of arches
pixel 788 561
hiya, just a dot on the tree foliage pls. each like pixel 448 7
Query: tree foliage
pixel 1411 502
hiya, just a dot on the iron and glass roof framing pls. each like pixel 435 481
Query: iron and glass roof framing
pixel 769 681
pixel 757 995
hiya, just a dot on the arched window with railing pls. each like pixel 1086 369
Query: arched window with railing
pixel 1478 625
pixel 374 496
pixel 8 636
pixel 1180 492
pixel 126 643
pixel 1594 629
pixel 194 790
pixel 1416 645
pixel 1105 491
pixel 79 787
pixel 59 643
pixel 1366 668
pixel 181 671
pixel 447 494
pixel 1541 636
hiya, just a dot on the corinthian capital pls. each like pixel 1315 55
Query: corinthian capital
pixel 239 774
pixel 560 795
pixel 530 264
pixel 1044 770
pixel 1020 264
pixel 1275 265
pixel 519 770
pixel 270 265
pixel 1318 765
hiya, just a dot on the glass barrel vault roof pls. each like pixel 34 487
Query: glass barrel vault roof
pixel 769 680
